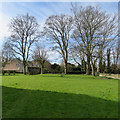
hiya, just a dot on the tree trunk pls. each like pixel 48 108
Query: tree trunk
pixel 88 65
pixel 65 68
pixel 100 65
pixel 93 69
pixel 41 69
pixel 24 67
pixel 93 66
pixel 108 61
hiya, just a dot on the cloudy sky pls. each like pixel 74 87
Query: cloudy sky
pixel 41 10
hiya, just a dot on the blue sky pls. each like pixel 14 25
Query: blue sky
pixel 42 10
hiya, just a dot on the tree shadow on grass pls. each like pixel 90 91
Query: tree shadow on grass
pixel 21 103
pixel 10 75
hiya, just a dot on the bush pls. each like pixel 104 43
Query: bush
pixel 96 73
pixel 34 70
pixel 3 73
pixel 9 72
pixel 14 73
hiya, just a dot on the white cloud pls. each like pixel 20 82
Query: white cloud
pixel 4 31
pixel 4 25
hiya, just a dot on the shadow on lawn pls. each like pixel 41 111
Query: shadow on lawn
pixel 10 75
pixel 20 103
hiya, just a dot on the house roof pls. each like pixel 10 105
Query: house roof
pixel 10 67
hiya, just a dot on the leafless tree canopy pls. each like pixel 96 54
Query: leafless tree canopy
pixel 76 54
pixel 57 29
pixel 85 37
pixel 24 32
pixel 7 53
pixel 94 29
pixel 40 56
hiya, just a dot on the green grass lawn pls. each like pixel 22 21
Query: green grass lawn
pixel 53 96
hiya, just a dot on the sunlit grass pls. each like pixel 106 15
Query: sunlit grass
pixel 53 96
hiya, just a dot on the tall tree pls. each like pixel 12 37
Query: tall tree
pixel 89 23
pixel 114 61
pixel 57 29
pixel 24 32
pixel 7 53
pixel 108 37
pixel 40 56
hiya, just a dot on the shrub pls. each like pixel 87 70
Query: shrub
pixel 9 72
pixel 96 73
pixel 62 74
pixel 33 70
pixel 14 73
pixel 3 73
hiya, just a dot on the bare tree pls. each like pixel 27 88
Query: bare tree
pixel 24 32
pixel 108 37
pixel 7 53
pixel 0 62
pixel 76 54
pixel 114 59
pixel 57 29
pixel 40 56
pixel 90 24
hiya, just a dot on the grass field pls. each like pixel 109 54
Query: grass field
pixel 53 96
